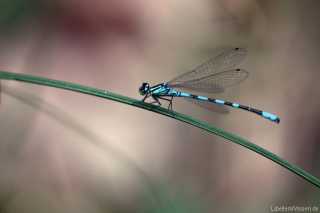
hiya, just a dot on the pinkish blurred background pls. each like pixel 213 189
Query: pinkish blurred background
pixel 67 152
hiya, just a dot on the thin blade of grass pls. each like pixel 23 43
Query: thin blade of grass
pixel 178 116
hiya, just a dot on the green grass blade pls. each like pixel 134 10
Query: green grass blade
pixel 178 116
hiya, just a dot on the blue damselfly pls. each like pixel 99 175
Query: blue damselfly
pixel 213 76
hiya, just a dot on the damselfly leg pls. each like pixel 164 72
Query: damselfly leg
pixel 155 99
pixel 169 100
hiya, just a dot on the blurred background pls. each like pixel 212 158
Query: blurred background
pixel 68 152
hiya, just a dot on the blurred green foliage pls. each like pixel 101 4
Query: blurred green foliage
pixel 169 199
pixel 13 13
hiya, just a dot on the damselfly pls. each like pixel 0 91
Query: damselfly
pixel 212 76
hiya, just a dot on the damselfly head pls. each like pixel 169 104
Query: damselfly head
pixel 144 89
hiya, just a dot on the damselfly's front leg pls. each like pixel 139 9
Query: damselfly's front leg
pixel 169 100
pixel 156 100
pixel 171 103
pixel 145 97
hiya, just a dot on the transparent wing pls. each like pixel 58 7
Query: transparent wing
pixel 225 60
pixel 214 83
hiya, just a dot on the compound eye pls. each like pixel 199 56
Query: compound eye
pixel 146 86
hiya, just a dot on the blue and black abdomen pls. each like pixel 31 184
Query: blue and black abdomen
pixel 264 114
pixel 164 90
